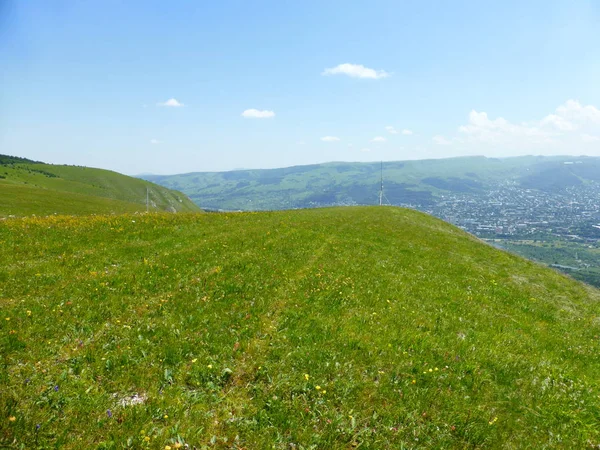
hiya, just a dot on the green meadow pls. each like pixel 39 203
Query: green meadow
pixel 338 328
pixel 29 187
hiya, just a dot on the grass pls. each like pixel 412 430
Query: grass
pixel 330 328
pixel 35 188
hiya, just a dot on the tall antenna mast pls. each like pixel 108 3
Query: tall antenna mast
pixel 381 189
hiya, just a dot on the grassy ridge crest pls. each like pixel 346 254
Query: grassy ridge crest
pixel 29 187
pixel 327 328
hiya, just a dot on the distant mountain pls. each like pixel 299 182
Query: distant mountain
pixel 32 187
pixel 420 183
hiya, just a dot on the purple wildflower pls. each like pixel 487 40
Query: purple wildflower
pixel 56 388
pixel 109 413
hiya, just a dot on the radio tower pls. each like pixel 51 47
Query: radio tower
pixel 381 189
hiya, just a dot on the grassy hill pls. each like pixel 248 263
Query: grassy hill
pixel 327 328
pixel 406 182
pixel 29 187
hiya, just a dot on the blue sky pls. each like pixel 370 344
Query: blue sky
pixel 162 87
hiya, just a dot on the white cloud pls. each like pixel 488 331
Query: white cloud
pixel 300 143
pixel 589 138
pixel 565 131
pixel 576 112
pixel 256 114
pixel 498 131
pixel 390 129
pixel 154 141
pixel 557 122
pixel 356 71
pixel 378 139
pixel 365 150
pixel 407 132
pixel 330 139
pixel 171 102
pixel 441 140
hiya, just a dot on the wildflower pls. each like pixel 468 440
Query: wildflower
pixel 147 438
pixel 414 381
pixel 194 360
pixel 493 421
pixel 318 388
pixel 306 376
pixel 28 313
pixel 431 370
pixel 12 418
pixel 56 388
pixel 37 427
pixel 167 447
pixel 109 413
pixel 165 416
pixel 209 366
pixel 177 445
pixel 8 318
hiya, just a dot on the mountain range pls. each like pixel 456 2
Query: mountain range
pixel 417 183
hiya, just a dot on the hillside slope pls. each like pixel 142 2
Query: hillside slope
pixel 325 328
pixel 406 182
pixel 29 187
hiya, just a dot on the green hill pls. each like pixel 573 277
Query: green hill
pixel 29 187
pixel 406 182
pixel 327 328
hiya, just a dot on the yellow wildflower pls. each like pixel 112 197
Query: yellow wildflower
pixel 306 376
pixel 12 418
